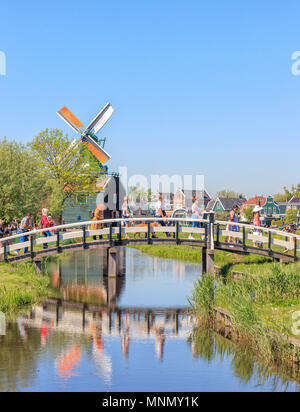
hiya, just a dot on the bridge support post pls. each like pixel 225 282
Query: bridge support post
pixel 38 266
pixel 208 261
pixel 112 262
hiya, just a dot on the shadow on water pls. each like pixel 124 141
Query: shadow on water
pixel 133 332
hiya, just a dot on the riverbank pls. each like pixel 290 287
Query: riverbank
pixel 254 309
pixel 20 287
pixel 262 302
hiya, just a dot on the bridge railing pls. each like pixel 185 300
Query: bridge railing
pixel 252 236
pixel 112 228
pixel 211 233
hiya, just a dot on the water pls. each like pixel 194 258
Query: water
pixel 144 342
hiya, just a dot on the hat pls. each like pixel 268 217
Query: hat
pixel 257 209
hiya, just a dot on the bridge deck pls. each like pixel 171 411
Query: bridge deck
pixel 210 235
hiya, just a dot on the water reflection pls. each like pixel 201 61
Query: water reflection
pixel 128 333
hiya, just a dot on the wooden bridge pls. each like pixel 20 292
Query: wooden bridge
pixel 211 236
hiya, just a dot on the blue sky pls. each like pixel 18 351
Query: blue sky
pixel 199 87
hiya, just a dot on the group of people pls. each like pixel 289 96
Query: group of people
pixel 26 225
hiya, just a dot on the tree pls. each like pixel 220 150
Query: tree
pixel 229 193
pixel 291 216
pixel 248 212
pixel 22 181
pixel 288 194
pixel 70 168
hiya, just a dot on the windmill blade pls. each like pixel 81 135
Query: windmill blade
pixel 101 119
pixel 97 150
pixel 70 119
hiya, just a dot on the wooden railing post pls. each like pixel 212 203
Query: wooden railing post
pixel 295 249
pixel 84 237
pixel 218 235
pixel 270 243
pixel 177 233
pixel 149 233
pixel 58 241
pixel 111 234
pixel 244 238
pixel 120 232
pixel 5 254
pixel 32 246
pixel 211 245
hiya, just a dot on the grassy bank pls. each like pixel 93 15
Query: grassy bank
pixel 255 305
pixel 265 300
pixel 194 255
pixel 20 287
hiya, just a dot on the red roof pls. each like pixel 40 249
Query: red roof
pixel 258 200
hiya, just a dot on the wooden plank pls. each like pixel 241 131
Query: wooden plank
pixel 195 230
pixel 283 243
pixel 230 233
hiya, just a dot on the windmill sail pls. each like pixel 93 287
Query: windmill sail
pixel 97 150
pixel 70 119
pixel 101 119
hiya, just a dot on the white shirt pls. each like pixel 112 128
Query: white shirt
pixel 159 205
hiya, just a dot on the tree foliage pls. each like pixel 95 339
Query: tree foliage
pixel 68 165
pixel 287 194
pixel 229 193
pixel 248 212
pixel 291 216
pixel 21 180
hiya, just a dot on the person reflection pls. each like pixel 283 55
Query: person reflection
pixel 126 337
pixel 102 361
pixel 159 342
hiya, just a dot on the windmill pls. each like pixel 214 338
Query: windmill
pixel 89 135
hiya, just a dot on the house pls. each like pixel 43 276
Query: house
pixel 270 208
pixel 109 191
pixel 257 200
pixel 294 203
pixel 224 204
pixel 183 199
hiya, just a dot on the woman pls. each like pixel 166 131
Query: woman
pixel 257 224
pixel 44 225
pixel 290 229
pixel 195 215
pixel 126 213
pixel 98 215
pixel 233 217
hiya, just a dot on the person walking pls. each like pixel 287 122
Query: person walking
pixel 160 211
pixel 257 223
pixel 195 215
pixel 24 227
pixel 44 224
pixel 126 213
pixel 233 218
pixel 98 215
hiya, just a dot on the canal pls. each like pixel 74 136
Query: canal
pixel 133 333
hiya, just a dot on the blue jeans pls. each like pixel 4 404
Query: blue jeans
pixel 46 234
pixel 196 224
pixel 23 239
pixel 161 222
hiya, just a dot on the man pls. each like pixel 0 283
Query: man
pixel 24 227
pixel 160 211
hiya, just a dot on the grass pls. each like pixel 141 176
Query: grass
pixel 259 307
pixel 20 287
